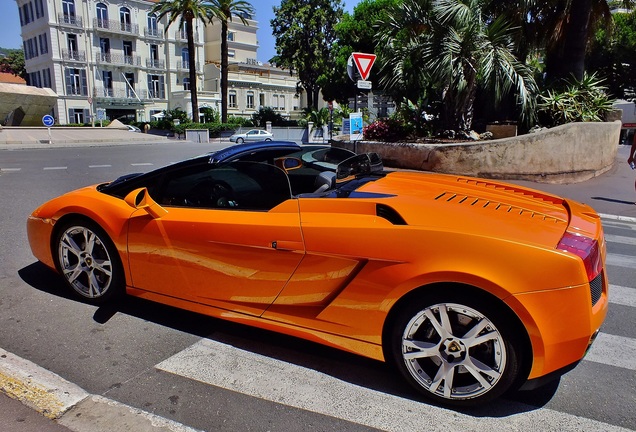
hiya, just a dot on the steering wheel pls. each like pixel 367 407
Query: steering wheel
pixel 222 196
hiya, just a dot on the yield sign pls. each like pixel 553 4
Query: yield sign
pixel 363 63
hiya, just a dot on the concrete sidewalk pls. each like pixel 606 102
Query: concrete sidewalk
pixel 38 137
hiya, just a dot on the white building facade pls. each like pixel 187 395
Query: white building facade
pixel 108 56
pixel 115 57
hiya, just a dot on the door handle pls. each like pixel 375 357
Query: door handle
pixel 286 245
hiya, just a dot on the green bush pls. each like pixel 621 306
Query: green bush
pixel 577 101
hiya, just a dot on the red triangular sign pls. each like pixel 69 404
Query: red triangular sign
pixel 363 63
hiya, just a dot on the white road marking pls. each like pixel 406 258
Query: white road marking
pixel 277 381
pixel 622 295
pixel 619 351
pixel 100 166
pixel 620 239
pixel 618 260
pixel 141 164
pixel 10 169
pixel 54 168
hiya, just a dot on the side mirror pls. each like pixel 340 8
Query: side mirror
pixel 140 199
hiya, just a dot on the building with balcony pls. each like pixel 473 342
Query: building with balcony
pixel 118 57
pixel 108 55
pixel 251 84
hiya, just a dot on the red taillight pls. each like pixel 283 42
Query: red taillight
pixel 587 249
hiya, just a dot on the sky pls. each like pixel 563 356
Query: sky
pixel 10 25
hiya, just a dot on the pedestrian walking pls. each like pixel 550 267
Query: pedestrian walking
pixel 630 159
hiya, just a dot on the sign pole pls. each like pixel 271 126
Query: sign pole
pixel 48 121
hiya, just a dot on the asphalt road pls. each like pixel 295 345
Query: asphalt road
pixel 217 376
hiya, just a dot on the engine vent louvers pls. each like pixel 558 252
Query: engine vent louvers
pixel 386 212
pixel 596 288
pixel 454 198
pixel 510 189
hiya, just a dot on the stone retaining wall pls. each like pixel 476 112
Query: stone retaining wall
pixel 564 154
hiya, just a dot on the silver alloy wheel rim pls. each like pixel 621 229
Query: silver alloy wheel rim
pixel 453 351
pixel 85 262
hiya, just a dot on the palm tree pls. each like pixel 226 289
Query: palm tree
pixel 453 45
pixel 186 11
pixel 224 10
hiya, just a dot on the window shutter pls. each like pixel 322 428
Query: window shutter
pixel 84 83
pixel 69 82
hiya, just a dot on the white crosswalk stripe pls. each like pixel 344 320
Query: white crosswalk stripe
pixel 622 295
pixel 226 366
pixel 277 381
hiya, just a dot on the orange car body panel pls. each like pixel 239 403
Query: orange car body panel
pixel 330 269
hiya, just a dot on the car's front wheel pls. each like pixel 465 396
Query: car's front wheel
pixel 89 262
pixel 240 140
pixel 456 351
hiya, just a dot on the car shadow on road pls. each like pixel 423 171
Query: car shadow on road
pixel 617 201
pixel 351 368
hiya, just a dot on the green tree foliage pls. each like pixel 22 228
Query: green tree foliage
pixel 579 101
pixel 186 11
pixel 355 33
pixel 224 11
pixel 613 55
pixel 265 114
pixel 447 49
pixel 305 34
pixel 14 63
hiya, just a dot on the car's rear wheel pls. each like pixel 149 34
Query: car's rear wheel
pixel 268 139
pixel 454 350
pixel 88 261
pixel 240 140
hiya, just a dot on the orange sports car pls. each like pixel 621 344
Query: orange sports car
pixel 469 287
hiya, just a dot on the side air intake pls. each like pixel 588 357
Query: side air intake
pixel 388 213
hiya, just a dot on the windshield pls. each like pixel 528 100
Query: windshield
pixel 358 166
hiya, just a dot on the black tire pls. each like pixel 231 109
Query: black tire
pixel 88 262
pixel 240 140
pixel 431 342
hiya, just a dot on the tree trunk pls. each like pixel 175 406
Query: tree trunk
pixel 192 70
pixel 568 56
pixel 224 71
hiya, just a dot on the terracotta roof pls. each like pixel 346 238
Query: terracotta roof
pixel 6 77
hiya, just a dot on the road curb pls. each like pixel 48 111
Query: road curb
pixel 70 405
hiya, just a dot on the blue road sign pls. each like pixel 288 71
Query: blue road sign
pixel 48 120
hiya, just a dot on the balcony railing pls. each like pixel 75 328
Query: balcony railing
pixel 114 26
pixel 185 66
pixel 68 55
pixel 155 33
pixel 155 64
pixel 119 59
pixel 123 96
pixel 69 20
pixel 182 36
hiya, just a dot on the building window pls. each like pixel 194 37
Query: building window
pixel 154 56
pixel 231 53
pixel 129 78
pixel 107 80
pixel 76 82
pixel 35 79
pixel 230 36
pixel 250 99
pixel 28 14
pixel 156 86
pixel 39 8
pixel 128 52
pixel 275 101
pixel 152 25
pixel 186 83
pixel 46 78
pixel 281 103
pixel 125 19
pixel 261 99
pixel 44 43
pixel 77 115
pixel 68 9
pixel 185 56
pixel 231 99
pixel 102 15
pixel 71 44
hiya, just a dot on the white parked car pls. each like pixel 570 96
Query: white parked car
pixel 253 135
pixel 132 128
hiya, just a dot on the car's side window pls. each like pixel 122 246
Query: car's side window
pixel 233 186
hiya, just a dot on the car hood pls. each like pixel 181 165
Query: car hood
pixel 476 206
